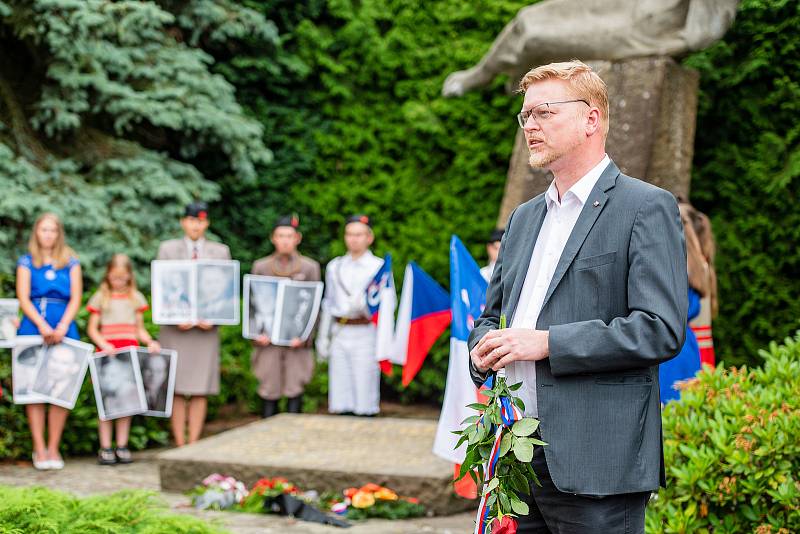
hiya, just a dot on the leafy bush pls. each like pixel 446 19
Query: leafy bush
pixel 43 510
pixel 732 450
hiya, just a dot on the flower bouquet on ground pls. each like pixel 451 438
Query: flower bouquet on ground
pixel 268 489
pixel 374 501
pixel 500 446
pixel 218 492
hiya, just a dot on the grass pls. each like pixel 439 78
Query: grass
pixel 41 510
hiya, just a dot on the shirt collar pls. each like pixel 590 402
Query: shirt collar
pixel 191 244
pixel 580 189
pixel 361 259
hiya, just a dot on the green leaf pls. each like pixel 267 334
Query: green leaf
pixel 519 403
pixel 515 387
pixel 478 406
pixel 470 420
pixel 505 503
pixel 493 483
pixel 525 427
pixel 505 444
pixel 518 506
pixel 523 451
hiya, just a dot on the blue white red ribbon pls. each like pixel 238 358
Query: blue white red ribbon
pixel 509 414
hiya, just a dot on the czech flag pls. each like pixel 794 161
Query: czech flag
pixel 423 315
pixel 467 299
pixel 382 301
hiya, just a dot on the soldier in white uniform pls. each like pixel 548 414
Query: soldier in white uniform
pixel 492 249
pixel 346 335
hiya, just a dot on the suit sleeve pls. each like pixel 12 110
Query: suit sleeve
pixel 490 318
pixel 654 330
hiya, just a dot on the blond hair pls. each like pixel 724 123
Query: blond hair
pixel 123 261
pixel 584 84
pixel 61 253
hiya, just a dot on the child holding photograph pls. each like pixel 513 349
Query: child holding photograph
pixel 284 371
pixel 115 322
pixel 49 289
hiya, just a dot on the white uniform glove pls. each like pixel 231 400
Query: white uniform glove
pixel 323 341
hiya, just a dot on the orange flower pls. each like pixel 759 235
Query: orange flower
pixel 349 492
pixel 363 499
pixel 385 494
pixel 371 488
pixel 412 500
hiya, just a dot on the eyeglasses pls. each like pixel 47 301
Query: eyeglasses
pixel 542 113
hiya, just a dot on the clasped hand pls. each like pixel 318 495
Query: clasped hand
pixel 498 348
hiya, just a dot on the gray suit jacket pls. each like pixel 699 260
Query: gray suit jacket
pixel 615 309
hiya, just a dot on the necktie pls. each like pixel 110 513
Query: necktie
pixel 194 252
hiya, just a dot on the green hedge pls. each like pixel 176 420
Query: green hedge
pixel 732 450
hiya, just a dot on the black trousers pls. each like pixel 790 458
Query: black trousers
pixel 552 511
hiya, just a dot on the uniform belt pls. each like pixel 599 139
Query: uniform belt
pixel 49 299
pixel 349 321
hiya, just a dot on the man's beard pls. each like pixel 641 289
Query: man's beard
pixel 541 159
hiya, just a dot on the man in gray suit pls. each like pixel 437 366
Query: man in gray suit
pixel 592 277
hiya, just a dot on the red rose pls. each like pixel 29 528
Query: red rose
pixel 507 525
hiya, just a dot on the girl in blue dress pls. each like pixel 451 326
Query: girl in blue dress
pixel 686 364
pixel 49 289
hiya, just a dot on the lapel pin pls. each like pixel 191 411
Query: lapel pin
pixel 596 203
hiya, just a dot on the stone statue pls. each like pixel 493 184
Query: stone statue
pixel 559 30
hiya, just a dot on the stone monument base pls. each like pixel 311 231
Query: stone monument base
pixel 323 453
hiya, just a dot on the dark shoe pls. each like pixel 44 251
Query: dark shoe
pixel 269 409
pixel 106 457
pixel 124 455
pixel 295 404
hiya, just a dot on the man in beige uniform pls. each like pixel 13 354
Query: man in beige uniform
pixel 284 371
pixel 197 373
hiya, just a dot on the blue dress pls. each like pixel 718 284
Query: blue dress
pixel 686 364
pixel 50 293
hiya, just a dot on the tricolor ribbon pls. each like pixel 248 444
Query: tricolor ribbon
pixel 509 414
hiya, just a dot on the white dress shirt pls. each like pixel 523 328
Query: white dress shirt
pixel 556 228
pixel 486 271
pixel 346 281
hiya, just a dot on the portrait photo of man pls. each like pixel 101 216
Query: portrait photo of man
pixel 300 305
pixel 172 292
pixel 118 385
pixel 158 379
pixel 218 291
pixel 24 363
pixel 9 320
pixel 62 368
pixel 261 294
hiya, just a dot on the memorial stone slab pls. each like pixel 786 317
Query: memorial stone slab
pixel 323 453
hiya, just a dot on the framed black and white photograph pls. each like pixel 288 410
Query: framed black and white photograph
pixel 117 382
pixel 299 306
pixel 260 302
pixel 60 372
pixel 9 315
pixel 158 378
pixel 24 363
pixel 218 291
pixel 173 291
pixel 189 291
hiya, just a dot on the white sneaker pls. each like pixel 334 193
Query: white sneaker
pixel 40 465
